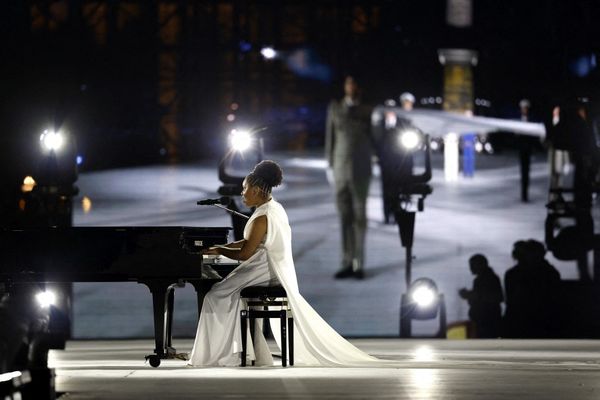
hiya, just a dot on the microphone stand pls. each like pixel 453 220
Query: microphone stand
pixel 222 207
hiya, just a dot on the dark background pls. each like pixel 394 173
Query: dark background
pixel 146 81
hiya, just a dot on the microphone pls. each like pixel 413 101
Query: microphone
pixel 209 202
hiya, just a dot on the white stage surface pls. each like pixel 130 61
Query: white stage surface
pixel 427 369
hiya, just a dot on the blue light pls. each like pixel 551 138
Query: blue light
pixel 583 65
pixel 245 46
pixel 79 160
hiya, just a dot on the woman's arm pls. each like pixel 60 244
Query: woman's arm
pixel 236 245
pixel 246 248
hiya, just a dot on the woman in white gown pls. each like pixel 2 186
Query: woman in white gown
pixel 266 252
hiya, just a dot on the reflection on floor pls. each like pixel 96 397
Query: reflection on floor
pixel 426 369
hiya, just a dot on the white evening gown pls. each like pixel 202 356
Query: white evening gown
pixel 218 338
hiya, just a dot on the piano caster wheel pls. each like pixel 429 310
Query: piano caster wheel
pixel 154 360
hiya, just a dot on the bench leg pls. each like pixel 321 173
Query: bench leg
pixel 252 319
pixel 284 341
pixel 244 317
pixel 290 322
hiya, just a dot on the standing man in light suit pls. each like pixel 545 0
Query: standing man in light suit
pixel 348 150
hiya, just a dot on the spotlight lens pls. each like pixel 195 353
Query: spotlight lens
pixel 409 139
pixel 268 52
pixel 240 140
pixel 46 299
pixel 423 296
pixel 51 140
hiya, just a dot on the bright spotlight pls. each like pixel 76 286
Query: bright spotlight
pixel 423 296
pixel 28 184
pixel 51 141
pixel 488 147
pixel 268 52
pixel 8 376
pixel 410 139
pixel 478 147
pixel 46 299
pixel 240 140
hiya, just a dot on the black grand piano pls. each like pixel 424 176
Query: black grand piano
pixel 159 257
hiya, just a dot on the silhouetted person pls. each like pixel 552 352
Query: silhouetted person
pixel 574 133
pixel 484 299
pixel 348 151
pixel 532 287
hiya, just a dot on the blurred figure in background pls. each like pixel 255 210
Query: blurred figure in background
pixel 407 101
pixel 348 151
pixel 484 299
pixel 526 145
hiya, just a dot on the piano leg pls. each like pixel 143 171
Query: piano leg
pixel 169 317
pixel 161 291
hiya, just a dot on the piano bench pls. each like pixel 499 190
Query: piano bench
pixel 265 297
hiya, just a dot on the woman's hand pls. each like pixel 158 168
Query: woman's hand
pixel 211 251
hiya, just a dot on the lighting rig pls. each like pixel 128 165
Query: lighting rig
pixel 422 300
pixel 38 175
pixel 246 149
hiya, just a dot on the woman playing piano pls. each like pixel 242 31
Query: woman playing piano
pixel 266 255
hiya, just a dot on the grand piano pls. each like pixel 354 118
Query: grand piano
pixel 159 257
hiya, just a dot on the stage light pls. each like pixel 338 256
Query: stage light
pixel 423 296
pixel 28 184
pixel 46 299
pixel 478 147
pixel 51 141
pixel 410 139
pixel 9 376
pixel 488 147
pixel 268 53
pixel 423 301
pixel 240 140
pixel 423 293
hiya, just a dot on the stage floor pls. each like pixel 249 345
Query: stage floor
pixel 427 369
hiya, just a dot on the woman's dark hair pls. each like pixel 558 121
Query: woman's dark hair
pixel 266 175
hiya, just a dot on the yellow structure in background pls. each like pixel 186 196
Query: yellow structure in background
pixel 458 79
pixel 458 97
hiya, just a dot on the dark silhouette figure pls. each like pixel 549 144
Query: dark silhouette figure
pixel 484 299
pixel 526 145
pixel 532 290
pixel 574 134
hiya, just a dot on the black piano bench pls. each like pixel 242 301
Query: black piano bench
pixel 265 297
